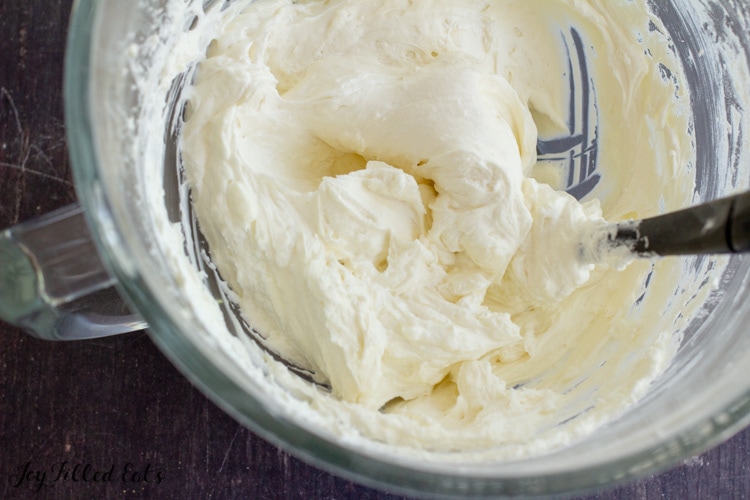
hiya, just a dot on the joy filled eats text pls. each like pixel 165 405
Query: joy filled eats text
pixel 35 477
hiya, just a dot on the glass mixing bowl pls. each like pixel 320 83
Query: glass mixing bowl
pixel 701 400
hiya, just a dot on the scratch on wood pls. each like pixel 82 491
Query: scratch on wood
pixel 25 150
pixel 217 477
pixel 4 92
pixel 224 461
pixel 229 448
pixel 44 443
pixel 23 140
pixel 35 172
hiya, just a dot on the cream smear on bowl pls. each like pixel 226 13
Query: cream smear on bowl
pixel 366 176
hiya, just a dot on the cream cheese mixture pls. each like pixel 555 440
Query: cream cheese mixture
pixel 366 175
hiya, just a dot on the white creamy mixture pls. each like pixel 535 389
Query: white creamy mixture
pixel 364 172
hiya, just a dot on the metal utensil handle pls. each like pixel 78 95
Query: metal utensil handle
pixel 53 284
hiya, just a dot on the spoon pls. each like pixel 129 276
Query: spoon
pixel 717 227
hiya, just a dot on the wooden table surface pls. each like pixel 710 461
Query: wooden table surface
pixel 118 402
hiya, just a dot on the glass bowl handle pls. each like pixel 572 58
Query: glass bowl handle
pixel 53 284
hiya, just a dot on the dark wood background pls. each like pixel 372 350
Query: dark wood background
pixel 118 401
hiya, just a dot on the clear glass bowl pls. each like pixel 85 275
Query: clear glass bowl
pixel 702 399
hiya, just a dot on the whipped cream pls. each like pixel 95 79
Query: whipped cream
pixel 366 175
